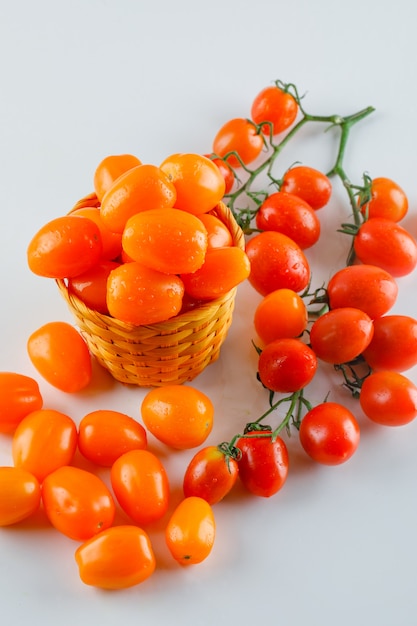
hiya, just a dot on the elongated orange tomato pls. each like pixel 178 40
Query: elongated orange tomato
pixel 219 236
pixel 166 240
pixel 91 286
pixel 139 295
pixel 117 558
pixel 20 495
pixel 111 242
pixel 190 532
pixel 61 356
pixel 19 396
pixel 223 269
pixel 139 189
pixel 109 170
pixel 64 247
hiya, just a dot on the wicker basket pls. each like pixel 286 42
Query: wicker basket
pixel 171 352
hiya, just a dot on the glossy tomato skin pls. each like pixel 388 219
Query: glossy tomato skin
pixel 140 484
pixel 394 343
pixel 211 474
pixel 366 287
pixel 309 184
pixel 19 396
pixel 386 244
pixel 117 558
pixel 277 262
pixel 65 247
pixel 43 441
pixel 226 172
pixel 288 214
pixel 276 106
pixel 264 462
pixel 388 200
pixel 61 356
pixel 20 495
pixel 104 435
pixel 286 365
pixel 341 335
pixel 389 398
pixel 329 433
pixel 218 235
pixel 190 531
pixel 282 313
pixel 111 242
pixel 110 168
pixel 91 286
pixel 77 502
pixel 241 136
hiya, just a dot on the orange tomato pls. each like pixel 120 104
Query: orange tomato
pixel 140 484
pixel 77 502
pixel 110 168
pixel 223 269
pixel 178 415
pixel 91 286
pixel 20 495
pixel 166 240
pixel 61 356
pixel 104 435
pixel 190 532
pixel 282 313
pixel 198 182
pixel 238 135
pixel 19 396
pixel 117 558
pixel 388 200
pixel 139 295
pixel 111 242
pixel 43 441
pixel 218 235
pixel 64 247
pixel 139 189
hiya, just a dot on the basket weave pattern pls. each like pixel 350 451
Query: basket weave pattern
pixel 171 352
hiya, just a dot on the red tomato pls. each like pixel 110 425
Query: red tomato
pixel 366 287
pixel 276 106
pixel 329 433
pixel 19 396
pixel 190 531
pixel 394 343
pixel 211 474
pixel 226 172
pixel 309 184
pixel 276 262
pixel 282 313
pixel 20 495
pixel 389 398
pixel 384 243
pixel 238 135
pixel 91 286
pixel 290 215
pixel 263 465
pixel 388 200
pixel 286 365
pixel 341 335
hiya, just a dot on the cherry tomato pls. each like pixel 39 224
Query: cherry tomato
pixel 286 365
pixel 190 531
pixel 309 184
pixel 20 495
pixel 241 136
pixel 274 105
pixel 117 558
pixel 19 396
pixel 282 313
pixel 141 486
pixel 166 240
pixel 178 415
pixel 104 435
pixel 61 356
pixel 210 474
pixel 263 465
pixel 139 189
pixel 394 343
pixel 389 398
pixel 43 441
pixel 388 200
pixel 198 182
pixel 77 502
pixel 222 270
pixel 139 295
pixel 366 287
pixel 288 214
pixel 329 433
pixel 91 286
pixel 276 262
pixel 65 247
pixel 111 242
pixel 341 335
pixel 110 168
pixel 218 235
pixel 384 243
pixel 226 172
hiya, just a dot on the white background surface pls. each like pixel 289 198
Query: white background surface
pixel 86 78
